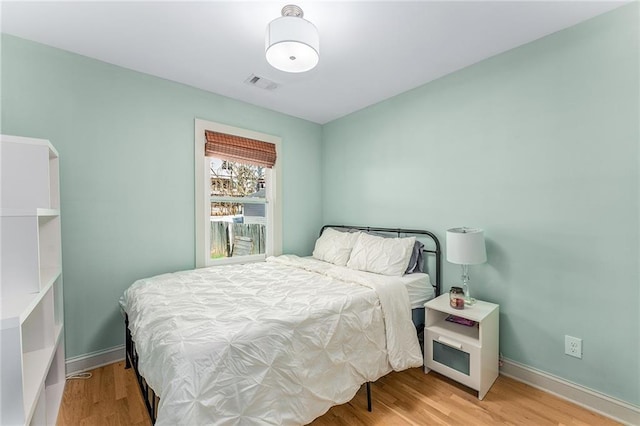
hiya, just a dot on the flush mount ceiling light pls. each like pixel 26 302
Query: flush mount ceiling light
pixel 292 43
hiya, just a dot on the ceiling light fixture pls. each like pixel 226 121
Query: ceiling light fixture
pixel 292 43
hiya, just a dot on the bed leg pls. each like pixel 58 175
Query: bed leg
pixel 369 396
pixel 127 339
pixel 155 407
pixel 131 356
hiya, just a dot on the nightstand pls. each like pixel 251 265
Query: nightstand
pixel 466 354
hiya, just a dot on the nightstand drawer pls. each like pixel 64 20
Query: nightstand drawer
pixel 452 357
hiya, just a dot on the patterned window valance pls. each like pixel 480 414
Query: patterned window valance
pixel 237 148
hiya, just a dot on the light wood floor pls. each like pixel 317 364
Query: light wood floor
pixel 111 397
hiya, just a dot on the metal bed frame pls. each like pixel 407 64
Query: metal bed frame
pixel 151 399
pixel 436 250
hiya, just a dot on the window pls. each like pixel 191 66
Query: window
pixel 238 214
pixel 238 208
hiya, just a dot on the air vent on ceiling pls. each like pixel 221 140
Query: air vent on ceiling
pixel 261 82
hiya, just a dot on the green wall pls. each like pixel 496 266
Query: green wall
pixel 538 146
pixel 127 173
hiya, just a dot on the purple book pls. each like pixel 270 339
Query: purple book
pixel 459 320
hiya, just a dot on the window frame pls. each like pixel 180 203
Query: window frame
pixel 273 209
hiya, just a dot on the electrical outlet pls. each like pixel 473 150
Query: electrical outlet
pixel 573 346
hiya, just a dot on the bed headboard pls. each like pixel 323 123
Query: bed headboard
pixel 432 249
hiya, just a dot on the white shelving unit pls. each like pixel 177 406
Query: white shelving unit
pixel 32 319
pixel 467 354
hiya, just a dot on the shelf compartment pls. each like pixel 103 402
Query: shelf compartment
pixel 54 383
pixel 49 238
pixel 20 268
pixel 29 171
pixel 39 415
pixel 11 371
pixel 16 309
pixel 35 365
pixel 58 302
pixel 54 179
pixel 38 329
pixel 31 256
pixel 39 339
pixel 436 321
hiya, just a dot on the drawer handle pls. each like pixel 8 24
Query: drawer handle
pixel 448 342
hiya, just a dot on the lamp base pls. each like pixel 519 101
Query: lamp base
pixel 468 300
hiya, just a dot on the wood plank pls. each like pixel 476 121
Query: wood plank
pixel 112 397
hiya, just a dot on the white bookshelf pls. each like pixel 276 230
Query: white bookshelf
pixel 31 291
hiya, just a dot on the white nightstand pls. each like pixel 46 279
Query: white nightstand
pixel 468 355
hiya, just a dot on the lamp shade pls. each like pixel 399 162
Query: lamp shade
pixel 292 43
pixel 465 246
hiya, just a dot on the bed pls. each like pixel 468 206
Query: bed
pixel 280 341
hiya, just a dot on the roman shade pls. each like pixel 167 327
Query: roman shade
pixel 237 148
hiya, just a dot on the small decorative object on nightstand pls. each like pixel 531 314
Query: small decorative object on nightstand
pixel 465 246
pixel 456 297
pixel 465 347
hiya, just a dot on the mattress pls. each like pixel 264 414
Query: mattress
pixel 276 342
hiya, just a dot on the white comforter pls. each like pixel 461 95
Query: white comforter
pixel 276 342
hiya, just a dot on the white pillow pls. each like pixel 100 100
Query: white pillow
pixel 335 246
pixel 386 256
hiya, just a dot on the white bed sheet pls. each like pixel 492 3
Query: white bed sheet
pixel 418 285
pixel 275 342
pixel 419 289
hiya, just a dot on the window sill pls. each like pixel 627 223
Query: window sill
pixel 237 260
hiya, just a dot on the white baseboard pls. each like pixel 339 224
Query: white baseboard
pixel 93 360
pixel 615 409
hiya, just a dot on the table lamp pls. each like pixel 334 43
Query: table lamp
pixel 465 246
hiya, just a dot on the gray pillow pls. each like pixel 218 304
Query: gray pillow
pixel 415 263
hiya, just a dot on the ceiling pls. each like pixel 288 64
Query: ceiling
pixel 369 51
